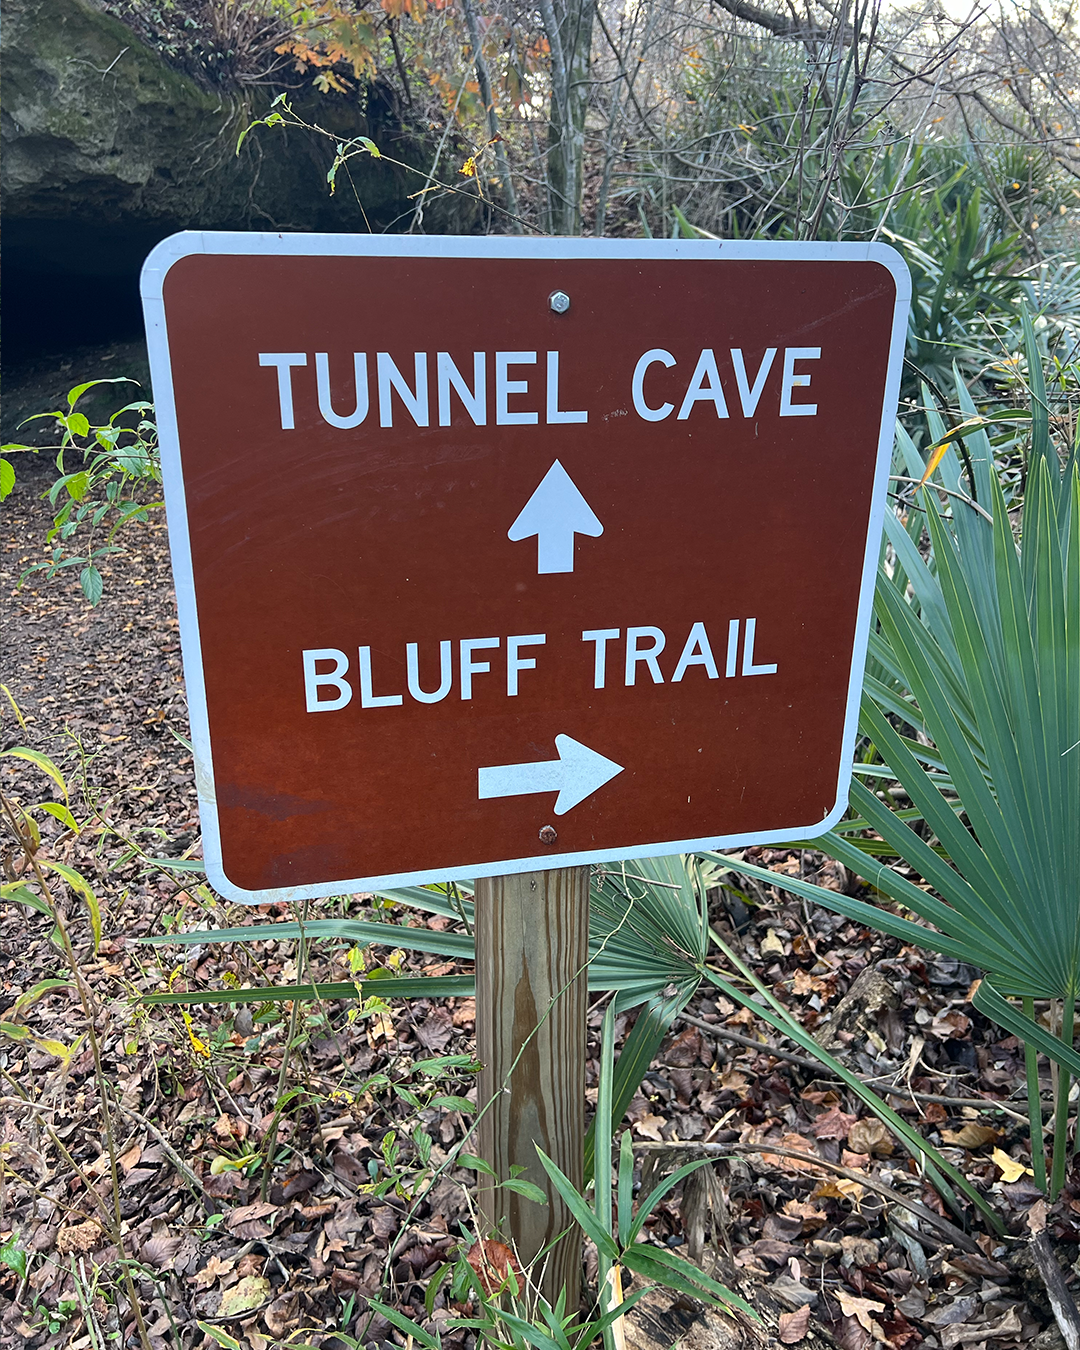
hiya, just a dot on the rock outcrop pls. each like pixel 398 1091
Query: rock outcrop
pixel 107 148
pixel 96 125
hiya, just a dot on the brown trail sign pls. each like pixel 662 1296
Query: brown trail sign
pixel 495 556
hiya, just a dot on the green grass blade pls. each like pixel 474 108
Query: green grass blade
pixel 434 986
pixel 576 1204
pixel 458 945
pixel 652 1025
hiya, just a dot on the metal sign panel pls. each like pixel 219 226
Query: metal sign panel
pixel 501 554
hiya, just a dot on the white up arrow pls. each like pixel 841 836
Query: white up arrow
pixel 555 513
pixel 575 775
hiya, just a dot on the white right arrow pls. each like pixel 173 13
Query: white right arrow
pixel 575 775
pixel 555 513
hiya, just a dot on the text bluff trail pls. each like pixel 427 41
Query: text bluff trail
pixel 730 485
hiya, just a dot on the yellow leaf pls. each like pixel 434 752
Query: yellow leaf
pixel 1011 1170
pixel 250 1293
pixel 198 1046
pixel 938 450
pixel 222 1164
pixel 772 944
pixel 971 1135
pixel 51 1047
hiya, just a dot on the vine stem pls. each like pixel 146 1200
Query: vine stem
pixel 86 1000
pixel 294 1021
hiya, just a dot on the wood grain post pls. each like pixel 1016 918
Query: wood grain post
pixel 532 940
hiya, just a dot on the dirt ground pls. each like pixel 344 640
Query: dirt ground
pixel 811 1209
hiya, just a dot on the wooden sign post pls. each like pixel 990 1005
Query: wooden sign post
pixel 499 557
pixel 532 946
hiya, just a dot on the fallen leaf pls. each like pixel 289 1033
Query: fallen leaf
pixel 494 1263
pixel 159 1251
pixel 899 1332
pixel 250 1292
pixel 782 1227
pixel 772 944
pixel 839 1188
pixel 870 1136
pixel 833 1124
pixel 1021 1193
pixel 686 1049
pixel 384 1223
pixel 256 1340
pixel 801 985
pixel 859 1251
pixel 774 1252
pixel 249 1221
pixel 300 1182
pixel 850 1335
pixel 320 1211
pixel 792 1292
pixel 950 1025
pixel 812 1217
pixel 348 1167
pixel 793 1325
pixel 465 1012
pixel 649 1127
pixel 817 1097
pixel 1011 1170
pixel 128 1160
pixel 859 1308
pixel 435 1031
pixel 282 1314
pixel 967 1333
pixel 79 1237
pixel 380 1027
pixel 797 1143
pixel 214 1269
pixel 971 1135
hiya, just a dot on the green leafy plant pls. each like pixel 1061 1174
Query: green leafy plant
pixel 13 1256
pixel 508 1309
pixel 120 466
pixel 972 707
pixel 31 876
pixel 650 942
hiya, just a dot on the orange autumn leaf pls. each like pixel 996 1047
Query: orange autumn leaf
pixel 495 1265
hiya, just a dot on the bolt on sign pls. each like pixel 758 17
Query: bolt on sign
pixel 496 555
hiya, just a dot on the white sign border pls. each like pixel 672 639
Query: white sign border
pixel 186 243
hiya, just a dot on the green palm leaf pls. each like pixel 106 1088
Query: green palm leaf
pixel 978 649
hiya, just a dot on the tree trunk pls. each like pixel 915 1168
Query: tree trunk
pixel 569 25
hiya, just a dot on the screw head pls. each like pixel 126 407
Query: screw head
pixel 548 834
pixel 559 301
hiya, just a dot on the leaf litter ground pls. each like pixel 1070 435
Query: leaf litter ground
pixel 811 1210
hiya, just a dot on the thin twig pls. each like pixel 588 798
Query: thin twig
pixel 960 496
pixel 167 1148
